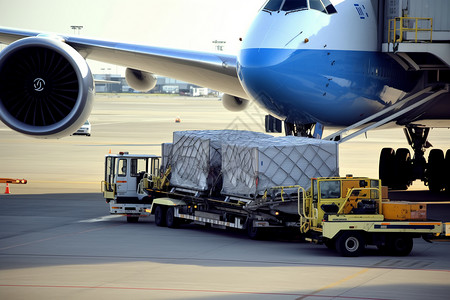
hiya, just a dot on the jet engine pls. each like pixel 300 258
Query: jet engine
pixel 46 87
pixel 139 80
pixel 233 103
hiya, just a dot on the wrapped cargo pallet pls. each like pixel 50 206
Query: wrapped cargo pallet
pixel 196 156
pixel 250 167
pixel 166 150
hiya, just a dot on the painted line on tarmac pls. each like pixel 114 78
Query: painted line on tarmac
pixel 100 219
pixel 54 237
pixel 334 284
pixel 185 290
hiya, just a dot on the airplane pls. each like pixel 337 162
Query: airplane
pixel 310 63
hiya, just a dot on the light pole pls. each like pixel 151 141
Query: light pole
pixel 75 28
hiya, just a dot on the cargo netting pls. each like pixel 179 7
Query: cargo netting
pixel 196 156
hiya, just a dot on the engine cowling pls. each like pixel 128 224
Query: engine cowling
pixel 140 80
pixel 233 103
pixel 46 87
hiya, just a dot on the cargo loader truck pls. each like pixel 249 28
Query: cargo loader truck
pixel 348 213
pixel 133 187
pixel 224 179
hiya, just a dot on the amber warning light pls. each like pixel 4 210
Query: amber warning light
pixel 13 180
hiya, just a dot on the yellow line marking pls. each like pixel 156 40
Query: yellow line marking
pixel 334 284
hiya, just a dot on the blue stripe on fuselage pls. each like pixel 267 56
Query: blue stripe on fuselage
pixel 333 87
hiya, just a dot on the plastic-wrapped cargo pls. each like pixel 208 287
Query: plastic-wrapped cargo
pixel 196 156
pixel 250 167
pixel 166 150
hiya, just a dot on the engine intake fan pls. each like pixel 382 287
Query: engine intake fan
pixel 46 87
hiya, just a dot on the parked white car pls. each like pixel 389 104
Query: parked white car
pixel 85 129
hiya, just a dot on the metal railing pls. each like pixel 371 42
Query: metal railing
pixel 399 27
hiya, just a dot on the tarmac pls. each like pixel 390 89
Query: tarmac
pixel 57 239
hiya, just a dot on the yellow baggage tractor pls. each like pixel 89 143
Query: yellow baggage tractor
pixel 348 213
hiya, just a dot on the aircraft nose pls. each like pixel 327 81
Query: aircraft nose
pixel 263 74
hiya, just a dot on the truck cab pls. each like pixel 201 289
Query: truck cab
pixel 343 196
pixel 123 185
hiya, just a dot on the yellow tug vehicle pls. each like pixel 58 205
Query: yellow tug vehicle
pixel 348 213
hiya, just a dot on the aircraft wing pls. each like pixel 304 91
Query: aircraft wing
pixel 212 70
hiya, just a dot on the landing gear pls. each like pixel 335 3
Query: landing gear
pixel 395 168
pixel 305 130
pixel 398 170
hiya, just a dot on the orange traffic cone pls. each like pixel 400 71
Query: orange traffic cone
pixel 7 189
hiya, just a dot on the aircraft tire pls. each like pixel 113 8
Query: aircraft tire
pixel 386 167
pixel 403 169
pixel 435 170
pixel 447 172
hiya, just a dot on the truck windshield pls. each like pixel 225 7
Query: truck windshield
pixel 330 189
pixel 139 165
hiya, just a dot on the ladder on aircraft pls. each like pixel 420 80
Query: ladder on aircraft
pixel 406 108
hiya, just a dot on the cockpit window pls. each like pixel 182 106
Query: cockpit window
pixel 273 5
pixel 329 7
pixel 289 6
pixel 317 5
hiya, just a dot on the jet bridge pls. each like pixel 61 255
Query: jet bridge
pixel 417 34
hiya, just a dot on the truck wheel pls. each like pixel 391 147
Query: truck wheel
pixel 330 243
pixel 399 245
pixel 160 216
pixel 132 219
pixel 171 220
pixel 350 243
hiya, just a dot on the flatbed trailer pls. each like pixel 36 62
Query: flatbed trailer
pixel 135 187
pixel 347 213
pixel 275 210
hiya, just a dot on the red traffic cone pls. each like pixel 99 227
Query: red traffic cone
pixel 7 189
